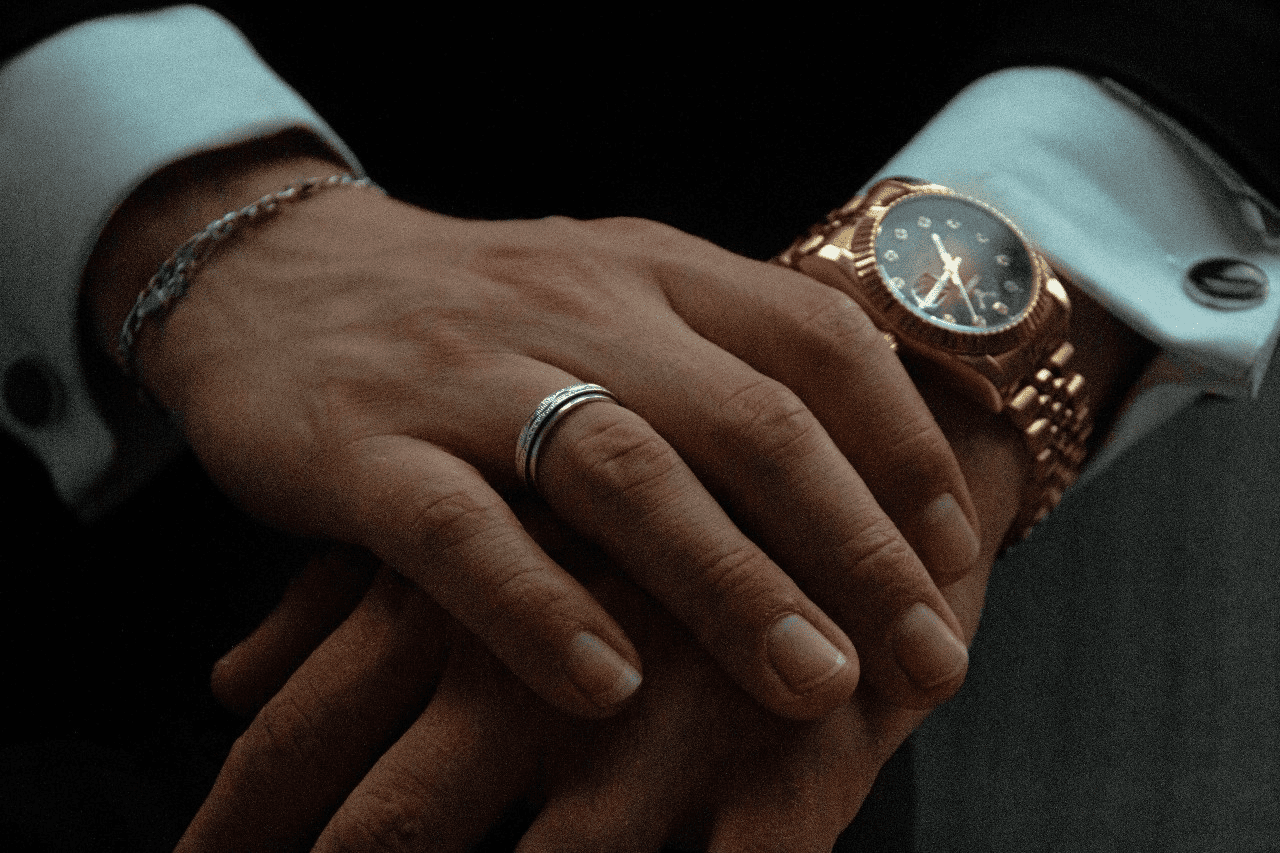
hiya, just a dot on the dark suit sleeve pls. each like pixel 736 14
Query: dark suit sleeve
pixel 1213 66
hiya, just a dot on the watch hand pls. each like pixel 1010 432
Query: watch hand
pixel 965 293
pixel 932 298
pixel 982 295
pixel 942 251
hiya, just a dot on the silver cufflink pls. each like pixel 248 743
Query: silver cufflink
pixel 1227 284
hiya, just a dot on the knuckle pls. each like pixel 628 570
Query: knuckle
pixel 635 226
pixel 835 324
pixel 655 242
pixel 770 419
pixel 622 458
pixel 451 519
pixel 876 545
pixel 554 268
pixel 523 597
pixel 387 819
pixel 286 732
pixel 443 345
pixel 561 222
pixel 509 585
pixel 917 444
pixel 740 577
pixel 877 560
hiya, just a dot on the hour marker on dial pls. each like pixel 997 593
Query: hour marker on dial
pixel 1002 260
pixel 1001 309
pixel 900 233
pixel 1012 287
pixel 953 224
pixel 924 222
pixel 890 255
pixel 982 238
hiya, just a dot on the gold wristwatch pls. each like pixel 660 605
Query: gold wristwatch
pixel 954 280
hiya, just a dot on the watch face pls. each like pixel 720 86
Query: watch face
pixel 954 263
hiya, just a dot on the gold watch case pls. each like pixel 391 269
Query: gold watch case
pixel 988 364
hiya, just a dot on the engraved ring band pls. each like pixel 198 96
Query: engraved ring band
pixel 548 413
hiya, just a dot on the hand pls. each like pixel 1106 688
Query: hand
pixel 692 758
pixel 359 369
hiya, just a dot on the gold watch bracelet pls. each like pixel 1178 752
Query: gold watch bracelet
pixel 1050 410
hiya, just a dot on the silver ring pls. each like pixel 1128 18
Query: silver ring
pixel 549 412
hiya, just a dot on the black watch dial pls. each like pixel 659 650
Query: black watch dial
pixel 954 263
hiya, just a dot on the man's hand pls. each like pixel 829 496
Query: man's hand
pixel 693 758
pixel 359 369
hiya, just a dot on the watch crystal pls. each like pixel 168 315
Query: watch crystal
pixel 973 274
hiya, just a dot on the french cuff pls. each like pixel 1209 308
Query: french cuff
pixel 1130 206
pixel 85 117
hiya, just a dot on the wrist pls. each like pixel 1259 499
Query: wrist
pixel 993 453
pixel 176 203
pixel 1109 355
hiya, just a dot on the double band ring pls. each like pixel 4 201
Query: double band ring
pixel 547 415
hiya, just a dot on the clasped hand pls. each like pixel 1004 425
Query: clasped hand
pixel 396 730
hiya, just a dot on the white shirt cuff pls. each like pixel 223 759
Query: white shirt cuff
pixel 85 117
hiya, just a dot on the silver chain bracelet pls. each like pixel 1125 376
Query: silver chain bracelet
pixel 171 282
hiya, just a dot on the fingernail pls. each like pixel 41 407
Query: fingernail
pixel 801 656
pixel 599 671
pixel 948 543
pixel 926 649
